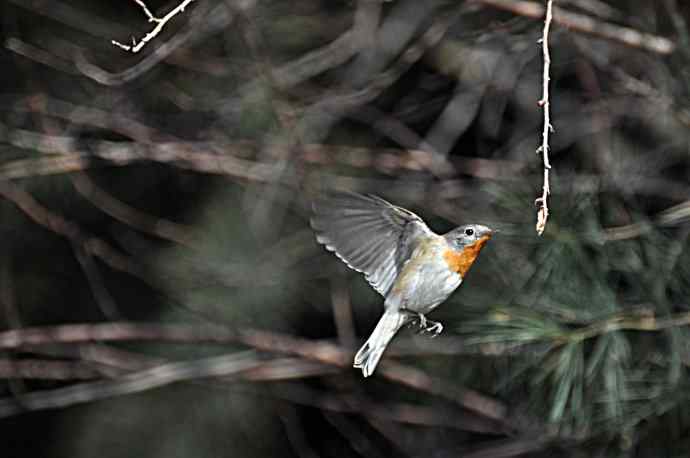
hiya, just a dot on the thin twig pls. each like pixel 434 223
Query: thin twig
pixel 160 23
pixel 543 213
pixel 147 12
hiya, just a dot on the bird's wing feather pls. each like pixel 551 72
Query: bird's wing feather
pixel 369 234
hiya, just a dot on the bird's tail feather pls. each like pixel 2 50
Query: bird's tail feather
pixel 367 358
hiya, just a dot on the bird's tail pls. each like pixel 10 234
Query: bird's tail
pixel 369 355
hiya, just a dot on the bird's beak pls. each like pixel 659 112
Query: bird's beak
pixel 490 232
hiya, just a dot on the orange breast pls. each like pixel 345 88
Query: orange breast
pixel 460 261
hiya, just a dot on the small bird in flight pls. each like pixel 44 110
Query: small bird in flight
pixel 411 266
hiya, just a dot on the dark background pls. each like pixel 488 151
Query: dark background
pixel 169 190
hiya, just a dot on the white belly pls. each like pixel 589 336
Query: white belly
pixel 423 284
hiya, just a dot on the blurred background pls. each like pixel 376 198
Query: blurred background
pixel 162 293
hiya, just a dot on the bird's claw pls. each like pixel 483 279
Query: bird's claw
pixel 422 321
pixel 426 325
pixel 435 328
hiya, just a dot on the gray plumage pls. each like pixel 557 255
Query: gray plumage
pixel 369 234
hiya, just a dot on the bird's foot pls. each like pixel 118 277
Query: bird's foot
pixel 435 328
pixel 422 321
pixel 426 325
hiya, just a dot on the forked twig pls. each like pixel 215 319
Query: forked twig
pixel 160 23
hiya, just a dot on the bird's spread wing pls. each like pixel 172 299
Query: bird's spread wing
pixel 370 234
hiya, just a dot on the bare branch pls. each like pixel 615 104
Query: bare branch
pixel 543 212
pixel 147 12
pixel 135 47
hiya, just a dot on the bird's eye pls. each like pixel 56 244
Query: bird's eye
pixel 469 231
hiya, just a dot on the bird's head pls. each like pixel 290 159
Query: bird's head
pixel 464 245
pixel 467 235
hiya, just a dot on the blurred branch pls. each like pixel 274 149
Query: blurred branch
pixel 296 435
pixel 402 412
pixel 136 382
pixel 679 23
pixel 543 213
pixel 46 370
pixel 230 159
pixel 393 128
pixel 61 226
pixel 671 216
pixel 118 122
pixel 342 311
pixel 296 71
pixel 110 361
pixel 404 375
pixel 359 442
pixel 71 59
pixel 100 292
pixel 114 332
pixel 322 352
pixel 26 338
pixel 134 218
pixel 509 447
pixel 626 232
pixel 161 374
pixel 39 55
pixel 71 16
pixel 225 158
pixel 637 323
pixel 9 312
pixel 519 328
pixel 320 116
pixel 596 7
pixel 587 24
pixel 160 23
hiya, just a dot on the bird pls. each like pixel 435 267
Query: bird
pixel 411 266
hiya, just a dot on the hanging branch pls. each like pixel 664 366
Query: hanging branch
pixel 543 213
